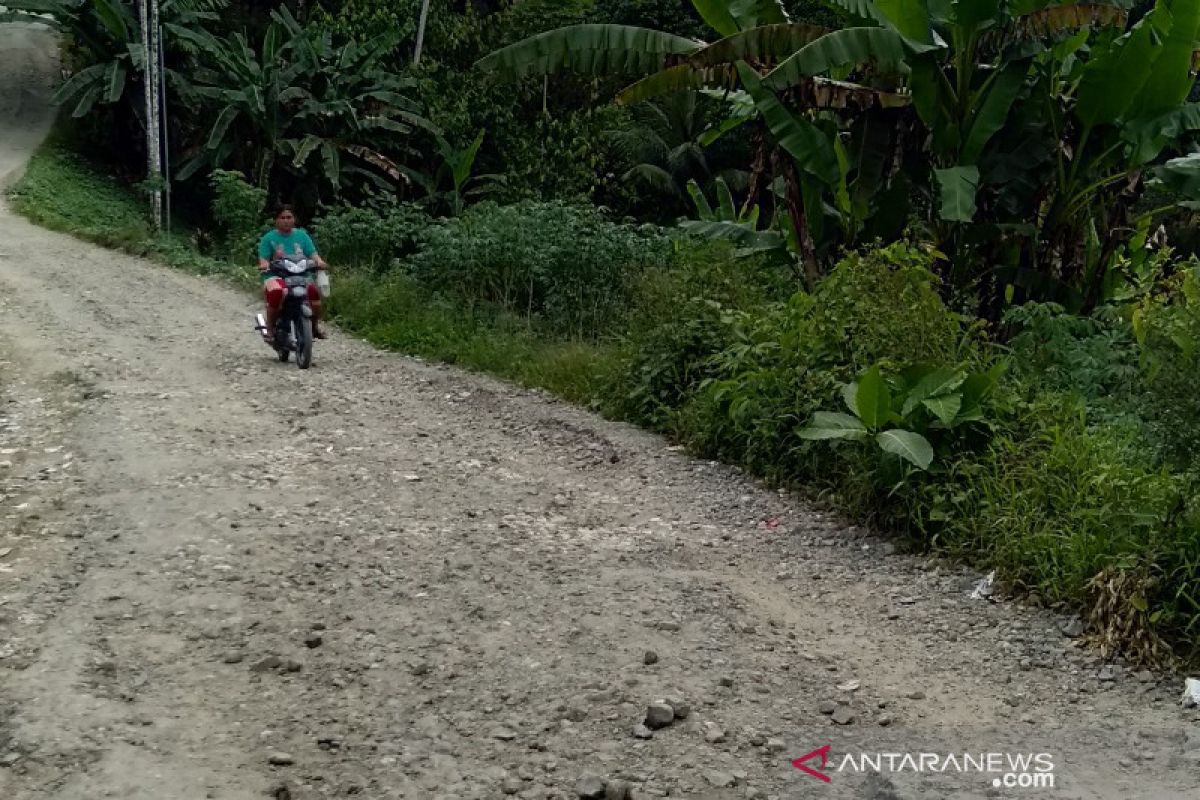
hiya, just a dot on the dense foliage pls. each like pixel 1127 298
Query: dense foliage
pixel 914 256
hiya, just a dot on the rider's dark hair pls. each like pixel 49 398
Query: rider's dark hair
pixel 281 209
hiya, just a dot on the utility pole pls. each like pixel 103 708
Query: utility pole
pixel 166 138
pixel 148 17
pixel 421 31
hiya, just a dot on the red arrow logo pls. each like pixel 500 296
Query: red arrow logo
pixel 823 752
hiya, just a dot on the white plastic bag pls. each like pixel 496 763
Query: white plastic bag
pixel 1191 693
pixel 323 282
pixel 983 589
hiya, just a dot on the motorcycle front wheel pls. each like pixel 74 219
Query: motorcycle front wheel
pixel 304 341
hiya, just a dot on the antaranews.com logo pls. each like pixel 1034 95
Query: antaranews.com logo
pixel 1004 770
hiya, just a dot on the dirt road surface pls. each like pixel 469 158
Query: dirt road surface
pixel 223 578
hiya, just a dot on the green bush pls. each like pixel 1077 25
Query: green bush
pixel 569 268
pixel 685 313
pixel 371 238
pixel 790 361
pixel 238 209
pixel 1167 326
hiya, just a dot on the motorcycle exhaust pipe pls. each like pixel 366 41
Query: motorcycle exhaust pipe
pixel 260 322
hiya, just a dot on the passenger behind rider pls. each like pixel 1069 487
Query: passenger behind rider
pixel 287 241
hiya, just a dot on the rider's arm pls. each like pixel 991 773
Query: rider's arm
pixel 264 254
pixel 312 253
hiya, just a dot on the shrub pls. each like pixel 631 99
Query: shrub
pixel 790 362
pixel 1167 325
pixel 237 211
pixel 684 314
pixel 567 268
pixel 371 238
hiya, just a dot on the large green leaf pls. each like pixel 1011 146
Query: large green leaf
pixel 80 82
pixel 807 144
pixel 832 425
pixel 862 10
pixel 873 400
pixel 87 100
pixel 1181 176
pixel 1149 135
pixel 768 43
pixel 725 198
pixel 755 13
pixel 224 119
pixel 115 81
pixel 711 135
pixel 848 47
pixel 957 187
pixel 1113 79
pixel 976 388
pixel 1172 80
pixel 115 18
pixel 718 15
pixel 704 209
pixel 677 79
pixel 332 162
pixel 937 382
pixel 305 148
pixel 466 161
pixel 912 447
pixel 909 17
pixel 273 43
pixel 992 113
pixel 200 38
pixel 741 234
pixel 192 166
pixel 945 407
pixel 971 15
pixel 591 50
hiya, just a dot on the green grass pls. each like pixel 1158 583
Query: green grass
pixel 64 193
pixel 395 313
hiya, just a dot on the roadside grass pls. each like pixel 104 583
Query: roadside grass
pixel 63 192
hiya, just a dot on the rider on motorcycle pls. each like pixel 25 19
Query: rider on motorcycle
pixel 287 241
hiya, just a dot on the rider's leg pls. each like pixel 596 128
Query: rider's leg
pixel 273 292
pixel 314 300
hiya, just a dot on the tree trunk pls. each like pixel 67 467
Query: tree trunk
pixel 799 220
pixel 421 31
pixel 758 170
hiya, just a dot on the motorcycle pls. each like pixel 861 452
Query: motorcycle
pixel 293 330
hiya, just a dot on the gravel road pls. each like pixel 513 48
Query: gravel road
pixel 221 577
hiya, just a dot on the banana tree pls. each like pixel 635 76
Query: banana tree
pixel 303 107
pixel 1041 117
pixel 751 38
pixel 454 182
pixel 1124 109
